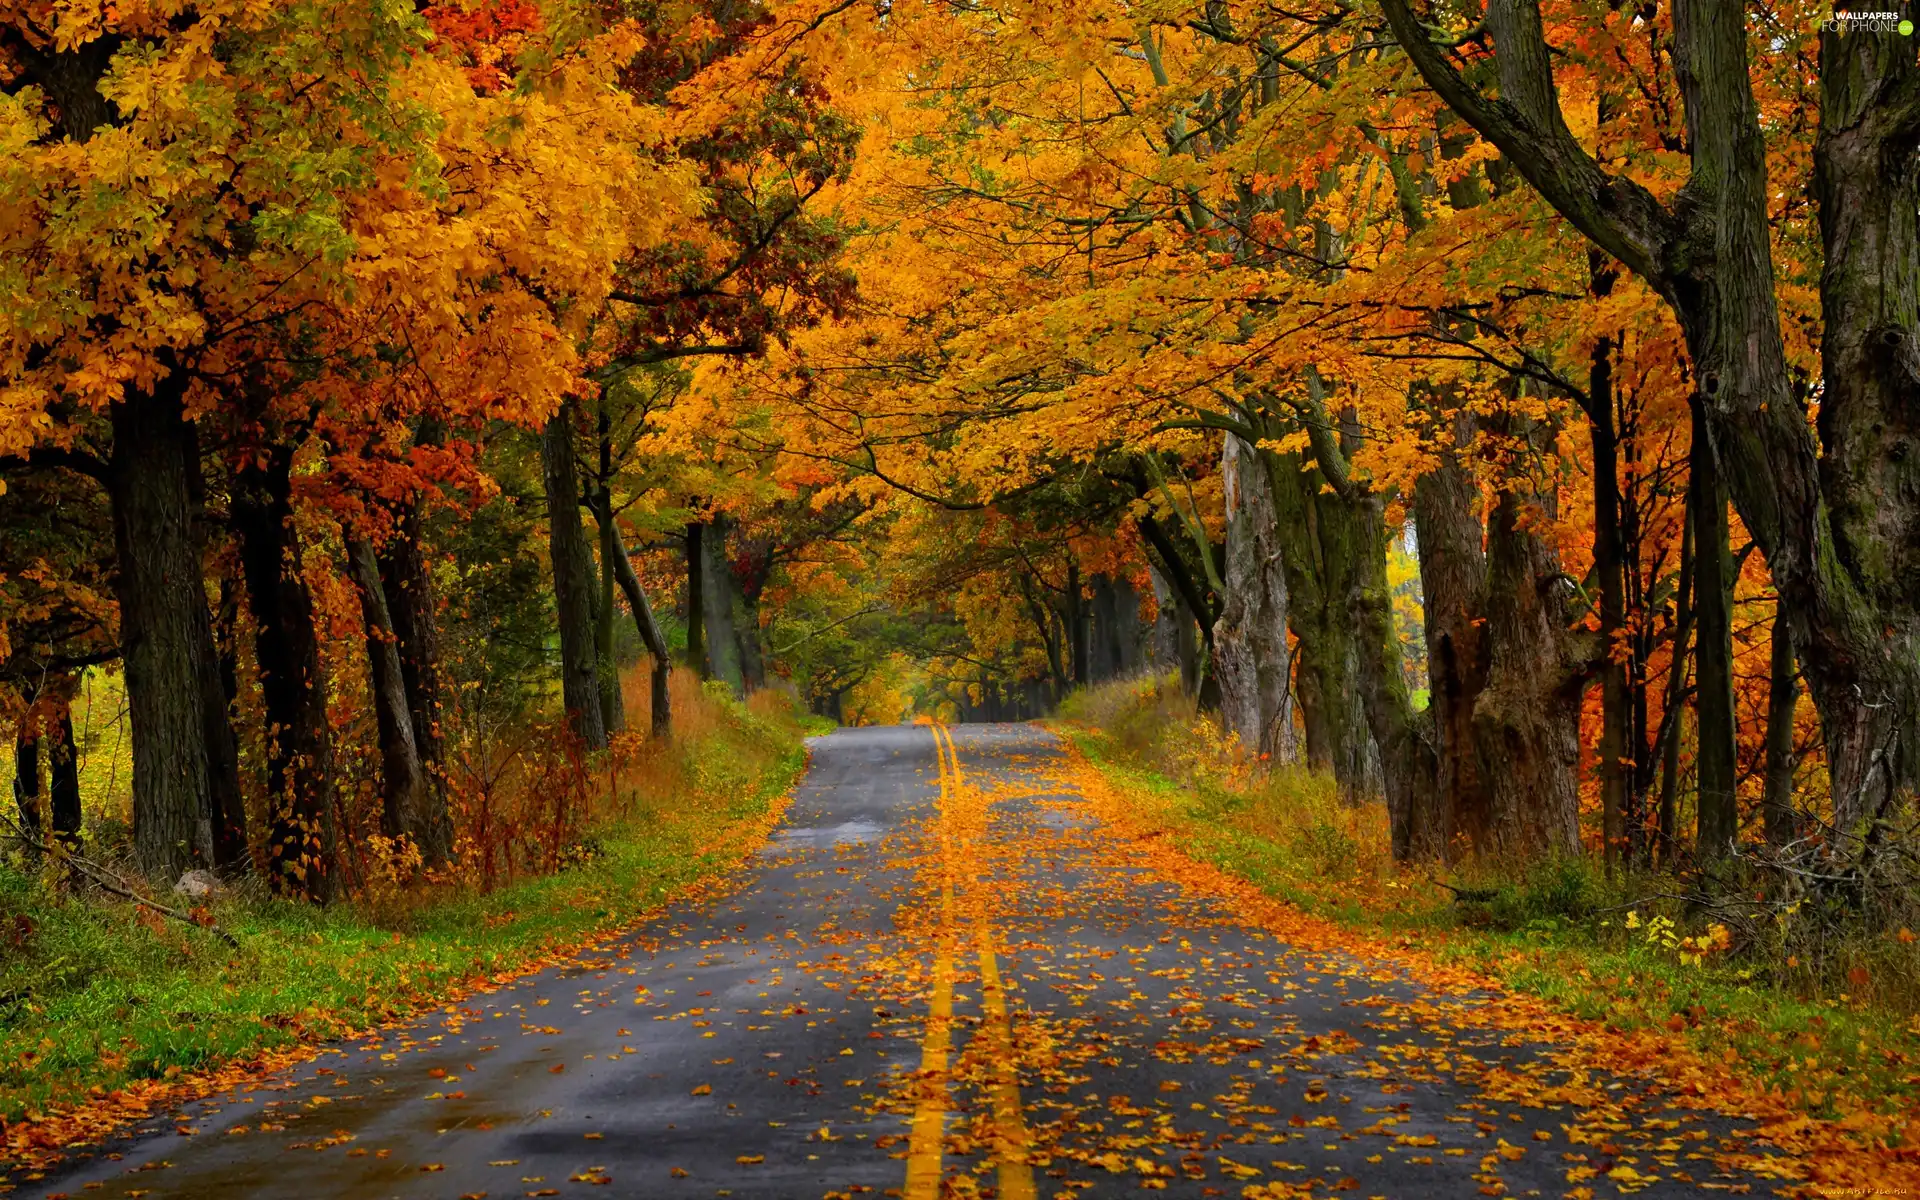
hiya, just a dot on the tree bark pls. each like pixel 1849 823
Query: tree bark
pixel 1673 714
pixel 26 776
pixel 302 837
pixel 407 808
pixel 219 685
pixel 572 582
pixel 162 626
pixel 1326 541
pixel 1609 561
pixel 1715 764
pixel 1073 610
pixel 1527 721
pixel 1782 694
pixel 1453 587
pixel 63 779
pixel 407 585
pixel 696 600
pixel 1252 658
pixel 723 643
pixel 649 629
pixel 613 710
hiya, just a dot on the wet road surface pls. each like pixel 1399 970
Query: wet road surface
pixel 939 978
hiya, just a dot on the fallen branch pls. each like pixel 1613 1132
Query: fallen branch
pixel 1468 895
pixel 105 878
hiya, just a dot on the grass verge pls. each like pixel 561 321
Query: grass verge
pixel 105 1012
pixel 1557 931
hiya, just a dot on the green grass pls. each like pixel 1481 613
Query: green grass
pixel 95 997
pixel 1552 931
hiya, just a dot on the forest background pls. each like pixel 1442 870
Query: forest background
pixel 1466 451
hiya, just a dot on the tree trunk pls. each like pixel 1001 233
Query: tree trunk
pixel 1716 768
pixel 407 808
pixel 1326 544
pixel 1074 612
pixel 572 583
pixel 753 664
pixel 613 708
pixel 1252 659
pixel 1408 772
pixel 1863 665
pixel 302 838
pixel 1453 587
pixel 1164 646
pixel 1609 561
pixel 63 779
pixel 1527 721
pixel 1782 694
pixel 219 685
pixel 696 600
pixel 723 643
pixel 649 629
pixel 1673 714
pixel 26 775
pixel 163 624
pixel 407 585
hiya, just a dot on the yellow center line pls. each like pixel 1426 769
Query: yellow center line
pixel 930 1109
pixel 1011 1139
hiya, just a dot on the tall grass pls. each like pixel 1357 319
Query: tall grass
pixel 555 846
pixel 1633 949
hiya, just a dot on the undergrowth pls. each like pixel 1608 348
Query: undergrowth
pixel 1623 950
pixel 95 993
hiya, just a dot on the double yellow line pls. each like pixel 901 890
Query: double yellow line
pixel 1010 1137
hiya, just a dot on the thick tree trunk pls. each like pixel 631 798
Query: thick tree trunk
pixel 1164 645
pixel 1327 542
pixel 1252 659
pixel 572 582
pixel 1127 632
pixel 407 808
pixel 649 629
pixel 723 643
pixel 1408 771
pixel 407 586
pixel 1863 666
pixel 163 625
pixel 302 838
pixel 1527 721
pixel 1453 587
pixel 753 664
pixel 1782 694
pixel 1102 647
pixel 697 600
pixel 1716 768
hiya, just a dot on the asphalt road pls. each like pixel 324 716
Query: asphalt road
pixel 938 979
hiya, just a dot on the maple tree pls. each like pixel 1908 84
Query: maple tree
pixel 1511 434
